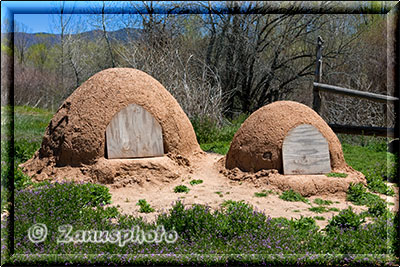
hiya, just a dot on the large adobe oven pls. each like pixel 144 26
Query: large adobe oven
pixel 116 101
pixel 257 145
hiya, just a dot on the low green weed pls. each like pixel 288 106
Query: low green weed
pixel 263 193
pixel 378 208
pixel 144 206
pixel 290 195
pixel 320 201
pixel 334 209
pixel 181 189
pixel 196 182
pixel 319 209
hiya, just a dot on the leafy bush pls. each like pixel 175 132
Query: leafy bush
pixel 346 220
pixel 378 208
pixel 358 194
pixel 195 182
pixel 199 222
pixel 181 189
pixel 144 206
pixel 319 218
pixel 290 195
pixel 376 183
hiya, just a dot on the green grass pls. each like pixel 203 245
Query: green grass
pixel 181 189
pixel 29 123
pixel 337 174
pixel 374 162
pixel 319 218
pixel 216 147
pixel 196 182
pixel 320 201
pixel 290 195
pixel 144 206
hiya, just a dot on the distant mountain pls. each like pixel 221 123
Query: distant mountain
pixel 122 35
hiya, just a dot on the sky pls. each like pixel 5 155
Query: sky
pixel 37 17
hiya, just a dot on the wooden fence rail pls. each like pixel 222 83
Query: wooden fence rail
pixel 351 92
pixel 349 129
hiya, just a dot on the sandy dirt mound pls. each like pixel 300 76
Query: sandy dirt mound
pixel 216 189
pixel 306 185
pixel 263 134
pixel 76 133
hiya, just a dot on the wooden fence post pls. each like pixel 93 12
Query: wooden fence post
pixel 318 75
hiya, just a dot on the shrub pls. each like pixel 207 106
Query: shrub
pixel 346 220
pixel 378 208
pixel 290 195
pixel 376 183
pixel 304 223
pixel 358 194
pixel 144 206
pixel 181 189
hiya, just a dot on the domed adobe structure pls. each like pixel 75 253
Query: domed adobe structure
pixel 258 143
pixel 76 133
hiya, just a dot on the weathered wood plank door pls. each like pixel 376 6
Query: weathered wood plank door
pixel 305 151
pixel 133 133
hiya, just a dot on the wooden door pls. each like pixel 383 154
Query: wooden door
pixel 134 133
pixel 305 151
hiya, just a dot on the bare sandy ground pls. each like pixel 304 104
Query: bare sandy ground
pixel 216 188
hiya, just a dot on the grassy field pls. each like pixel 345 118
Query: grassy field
pixel 235 233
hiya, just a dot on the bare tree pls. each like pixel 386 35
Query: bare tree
pixel 20 41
